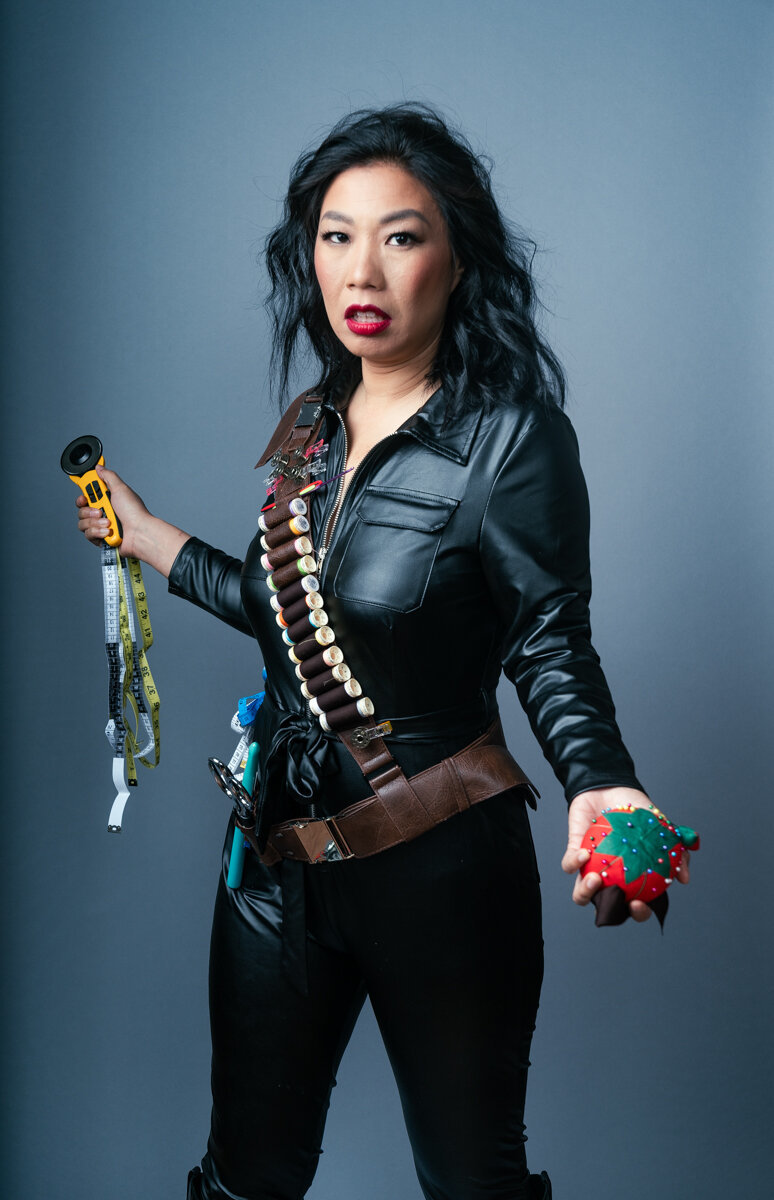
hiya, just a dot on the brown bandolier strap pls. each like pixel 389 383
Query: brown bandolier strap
pixel 286 430
pixel 401 808
pixel 396 814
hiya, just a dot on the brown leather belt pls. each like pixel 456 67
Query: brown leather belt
pixel 478 771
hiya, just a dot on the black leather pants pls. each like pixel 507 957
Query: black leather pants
pixel 443 934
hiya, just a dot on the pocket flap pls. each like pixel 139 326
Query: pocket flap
pixel 404 509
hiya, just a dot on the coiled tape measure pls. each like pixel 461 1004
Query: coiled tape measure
pixel 131 684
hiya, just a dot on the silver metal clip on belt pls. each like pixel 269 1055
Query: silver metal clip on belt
pixel 321 839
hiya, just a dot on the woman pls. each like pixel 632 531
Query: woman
pixel 452 543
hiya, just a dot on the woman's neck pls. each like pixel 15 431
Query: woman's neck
pixel 395 386
pixel 381 402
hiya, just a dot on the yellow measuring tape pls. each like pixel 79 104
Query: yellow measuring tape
pixel 137 661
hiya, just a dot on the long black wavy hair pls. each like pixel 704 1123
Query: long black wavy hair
pixel 490 349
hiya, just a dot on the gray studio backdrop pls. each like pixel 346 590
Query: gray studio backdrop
pixel 147 147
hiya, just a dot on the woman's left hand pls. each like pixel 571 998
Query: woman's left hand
pixel 583 809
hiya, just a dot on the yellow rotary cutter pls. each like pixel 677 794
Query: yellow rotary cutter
pixel 79 461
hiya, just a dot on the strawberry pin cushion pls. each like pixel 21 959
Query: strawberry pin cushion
pixel 638 853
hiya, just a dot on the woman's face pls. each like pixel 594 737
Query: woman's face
pixel 384 264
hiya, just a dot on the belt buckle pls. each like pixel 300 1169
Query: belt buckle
pixel 323 840
pixel 337 849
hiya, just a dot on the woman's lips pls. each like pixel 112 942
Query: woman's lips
pixel 366 319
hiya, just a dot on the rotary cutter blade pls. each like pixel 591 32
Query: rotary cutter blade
pixel 79 460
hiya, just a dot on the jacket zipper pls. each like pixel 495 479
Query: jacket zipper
pixel 333 518
pixel 336 513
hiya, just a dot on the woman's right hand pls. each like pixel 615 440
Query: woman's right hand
pixel 144 536
pixel 127 506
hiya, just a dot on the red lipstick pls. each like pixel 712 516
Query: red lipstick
pixel 376 323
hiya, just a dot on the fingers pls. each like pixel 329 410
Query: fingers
pixel 574 858
pixel 586 886
pixel 91 522
pixel 110 477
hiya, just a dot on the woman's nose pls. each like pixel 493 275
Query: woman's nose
pixel 364 266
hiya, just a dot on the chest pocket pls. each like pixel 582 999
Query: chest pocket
pixel 391 550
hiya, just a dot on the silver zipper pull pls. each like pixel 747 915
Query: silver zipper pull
pixel 321 556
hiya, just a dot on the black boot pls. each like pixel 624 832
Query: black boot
pixel 540 1187
pixel 194 1191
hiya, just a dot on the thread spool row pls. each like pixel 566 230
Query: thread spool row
pixel 330 657
pixel 302 585
pixel 274 599
pixel 347 717
pixel 284 511
pixel 306 565
pixel 317 619
pixel 337 697
pixel 299 608
pixel 329 678
pixel 334 697
pixel 295 527
pixel 281 555
pixel 313 645
pixel 308 614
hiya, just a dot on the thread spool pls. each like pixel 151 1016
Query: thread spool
pixel 294 612
pixel 320 638
pixel 334 698
pixel 287 595
pixel 314 617
pixel 322 683
pixel 330 677
pixel 286 553
pixel 311 646
pixel 348 716
pixel 284 511
pixel 290 572
pixel 317 618
pixel 295 527
pixel 319 662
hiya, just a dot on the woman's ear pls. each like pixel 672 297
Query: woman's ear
pixel 457 270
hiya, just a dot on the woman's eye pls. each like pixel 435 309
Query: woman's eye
pixel 403 239
pixel 334 235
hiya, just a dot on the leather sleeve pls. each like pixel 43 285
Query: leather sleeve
pixel 534 550
pixel 210 579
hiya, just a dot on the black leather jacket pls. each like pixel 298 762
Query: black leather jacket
pixel 461 549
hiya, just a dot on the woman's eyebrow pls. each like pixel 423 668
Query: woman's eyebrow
pixel 330 215
pixel 401 215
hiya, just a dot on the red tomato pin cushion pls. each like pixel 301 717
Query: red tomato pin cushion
pixel 637 850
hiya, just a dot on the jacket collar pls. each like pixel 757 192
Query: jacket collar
pixel 452 437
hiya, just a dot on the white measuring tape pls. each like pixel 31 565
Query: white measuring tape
pixel 131 684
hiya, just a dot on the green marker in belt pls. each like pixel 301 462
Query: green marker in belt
pixel 236 861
